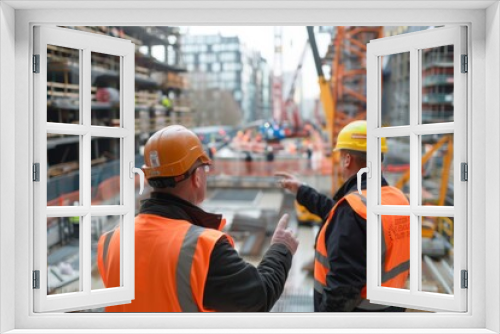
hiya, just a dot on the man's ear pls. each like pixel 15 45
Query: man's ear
pixel 347 160
pixel 196 178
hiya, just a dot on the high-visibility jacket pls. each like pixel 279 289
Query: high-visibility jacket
pixel 171 264
pixel 395 241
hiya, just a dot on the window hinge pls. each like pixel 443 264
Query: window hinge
pixel 465 64
pixel 36 63
pixel 36 172
pixel 465 279
pixel 464 168
pixel 36 279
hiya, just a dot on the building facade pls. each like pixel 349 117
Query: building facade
pixel 216 62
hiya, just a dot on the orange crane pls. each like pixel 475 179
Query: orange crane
pixel 344 95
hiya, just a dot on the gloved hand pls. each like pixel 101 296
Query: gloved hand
pixel 289 182
pixel 283 236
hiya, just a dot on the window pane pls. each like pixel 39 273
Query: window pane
pixel 101 225
pixel 396 164
pixel 437 170
pixel 437 84
pixel 63 255
pixel 395 89
pixel 437 254
pixel 105 155
pixel 395 251
pixel 63 170
pixel 105 89
pixel 63 84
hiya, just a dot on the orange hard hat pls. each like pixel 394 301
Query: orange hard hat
pixel 171 152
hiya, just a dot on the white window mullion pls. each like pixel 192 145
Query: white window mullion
pixel 80 130
pixel 460 156
pixel 85 243
pixel 396 131
pixel 432 129
pixel 67 129
pixel 102 131
pixel 40 156
pixel 414 172
pixel 402 210
pixel 373 120
pixel 127 114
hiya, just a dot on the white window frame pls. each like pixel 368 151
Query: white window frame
pixel 85 43
pixel 413 43
pixel 483 21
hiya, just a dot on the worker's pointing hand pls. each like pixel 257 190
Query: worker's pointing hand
pixel 283 236
pixel 289 182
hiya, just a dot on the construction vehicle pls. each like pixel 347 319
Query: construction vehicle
pixel 304 217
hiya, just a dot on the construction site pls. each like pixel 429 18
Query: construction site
pixel 254 119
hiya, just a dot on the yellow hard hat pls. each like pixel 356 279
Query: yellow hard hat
pixel 353 137
pixel 171 152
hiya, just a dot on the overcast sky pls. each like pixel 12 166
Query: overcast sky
pixel 261 38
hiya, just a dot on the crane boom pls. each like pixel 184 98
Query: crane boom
pixel 324 85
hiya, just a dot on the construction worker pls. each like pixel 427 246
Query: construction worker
pixel 340 254
pixel 75 223
pixel 167 103
pixel 183 262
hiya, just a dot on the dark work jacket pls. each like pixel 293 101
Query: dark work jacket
pixel 232 285
pixel 345 240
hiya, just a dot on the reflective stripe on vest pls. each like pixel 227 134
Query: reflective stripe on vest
pixel 183 272
pixel 390 278
pixel 107 239
pixel 102 255
pixel 171 264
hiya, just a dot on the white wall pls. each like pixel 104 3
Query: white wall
pixel 492 153
pixel 7 185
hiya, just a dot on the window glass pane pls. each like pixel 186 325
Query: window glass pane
pixel 105 89
pixel 437 254
pixel 396 163
pixel 395 251
pixel 101 225
pixel 63 255
pixel 395 89
pixel 63 84
pixel 63 170
pixel 437 170
pixel 437 84
pixel 105 171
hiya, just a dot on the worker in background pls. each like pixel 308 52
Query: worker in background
pixel 183 261
pixel 340 255
pixel 269 160
pixel 75 223
pixel 248 162
pixel 167 104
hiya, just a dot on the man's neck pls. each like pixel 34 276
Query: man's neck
pixel 177 192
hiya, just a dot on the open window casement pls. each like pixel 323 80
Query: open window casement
pixel 65 80
pixel 420 133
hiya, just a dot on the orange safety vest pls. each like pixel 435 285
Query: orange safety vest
pixel 395 241
pixel 171 264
